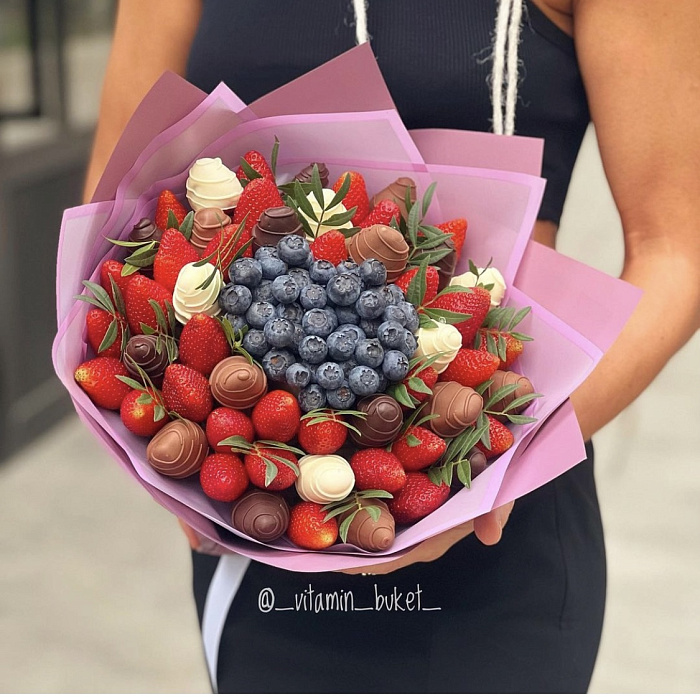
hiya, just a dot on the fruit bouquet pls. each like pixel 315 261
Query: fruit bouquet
pixel 284 328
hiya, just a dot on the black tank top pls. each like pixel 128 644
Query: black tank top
pixel 433 54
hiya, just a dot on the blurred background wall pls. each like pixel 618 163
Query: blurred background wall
pixel 94 582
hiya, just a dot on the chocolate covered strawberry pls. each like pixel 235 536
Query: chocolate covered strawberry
pixel 418 448
pixel 377 469
pixel 417 499
pixel 203 343
pixel 307 528
pixel 223 477
pixel 186 391
pixel 98 377
pixel 225 422
pixel 276 416
pixel 167 201
pixel 173 253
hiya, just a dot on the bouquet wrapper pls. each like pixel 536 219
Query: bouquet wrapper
pixel 328 116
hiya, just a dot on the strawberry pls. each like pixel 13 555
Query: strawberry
pixel 98 377
pixel 203 343
pixel 223 477
pixel 432 279
pixel 331 247
pixel 382 214
pixel 224 423
pixel 224 245
pixel 476 304
pixel 261 463
pixel 428 375
pixel 307 529
pixel 458 229
pixel 417 499
pixel 356 196
pixel 514 347
pixel 276 416
pixel 97 323
pixel 138 417
pixel 186 392
pixel 173 253
pixel 258 163
pixel 417 456
pixel 322 438
pixel 470 368
pixel 258 196
pixel 167 201
pixel 138 309
pixel 113 268
pixel 500 436
pixel 377 469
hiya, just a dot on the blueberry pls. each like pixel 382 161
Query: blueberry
pixel 369 352
pixel 395 365
pixel 412 319
pixel 344 289
pixel 294 250
pixel 293 312
pixel 373 272
pixel 363 380
pixel 258 314
pixel 347 315
pixel 341 398
pixel 266 251
pixel 383 383
pixel 272 265
pixel 276 362
pixel 341 345
pixel 370 304
pixel 313 349
pixel 246 271
pixel 312 397
pixel 301 276
pixel 298 375
pixel 279 332
pixel 285 289
pixel 396 293
pixel 313 296
pixel 356 331
pixel 237 321
pixel 390 335
pixel 235 299
pixel 330 376
pixel 263 293
pixel 298 335
pixel 322 271
pixel 255 344
pixel 409 343
pixel 320 322
pixel 347 366
pixel 393 313
pixel 311 367
pixel 349 267
pixel 370 327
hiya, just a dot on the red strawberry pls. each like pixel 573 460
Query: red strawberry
pixel 186 391
pixel 223 477
pixel 167 201
pixel 98 378
pixel 138 309
pixel 203 343
pixel 276 416
pixel 113 268
pixel 224 423
pixel 356 196
pixel 458 229
pixel 258 196
pixel 307 529
pixel 417 499
pixel 331 247
pixel 417 456
pixel 514 347
pixel 322 438
pixel 470 368
pixel 377 469
pixel 500 436
pixel 173 253
pixel 382 214
pixel 261 463
pixel 432 279
pixel 224 245
pixel 258 163
pixel 97 323
pixel 428 375
pixel 138 417
pixel 477 304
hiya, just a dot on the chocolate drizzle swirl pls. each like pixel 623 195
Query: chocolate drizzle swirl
pixel 383 243
pixel 141 350
pixel 262 515
pixel 178 449
pixel 456 407
pixel 382 424
pixel 236 383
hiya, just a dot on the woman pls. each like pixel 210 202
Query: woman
pixel 524 614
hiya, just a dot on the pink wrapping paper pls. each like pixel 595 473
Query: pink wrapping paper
pixel 360 132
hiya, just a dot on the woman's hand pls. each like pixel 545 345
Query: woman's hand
pixel 487 528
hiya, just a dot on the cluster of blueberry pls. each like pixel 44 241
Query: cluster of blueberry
pixel 334 333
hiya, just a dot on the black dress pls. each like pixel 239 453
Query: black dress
pixel 526 614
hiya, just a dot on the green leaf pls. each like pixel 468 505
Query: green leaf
pixel 425 322
pixel 521 337
pixel 101 294
pixel 117 295
pixel 415 293
pixel 417 385
pixel 242 250
pixel 341 193
pixel 473 268
pixel 520 419
pixel 524 399
pixel 499 394
pixel 172 220
pixel 144 398
pixel 317 187
pixel 303 203
pixel 187 225
pixel 274 155
pixel 432 256
pixel 435 476
pixel 447 315
pixel 400 394
pixel 334 511
pixel 130 382
pixel 483 387
pixel 413 441
pixel 160 316
pixel 270 470
pixel 412 224
pixel 125 243
pixel 158 412
pixel 248 170
pixel 281 446
pixel 345 526
pixel 454 289
pixel 408 201
pixel 428 197
pixel 502 348
pixel 491 344
pixel 91 301
pixel 375 494
pixel 171 315
pixel 146 329
pixel 340 219
pixel 464 473
pixel 110 336
pixel 374 512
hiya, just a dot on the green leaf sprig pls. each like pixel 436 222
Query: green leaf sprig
pixel 238 444
pixel 319 416
pixel 355 502
pixel 102 301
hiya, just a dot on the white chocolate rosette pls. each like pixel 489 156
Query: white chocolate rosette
pixel 487 277
pixel 190 297
pixel 212 184
pixel 440 338
pixel 324 213
pixel 324 478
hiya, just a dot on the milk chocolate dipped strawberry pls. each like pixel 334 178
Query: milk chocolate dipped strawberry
pixel 383 243
pixel 505 378
pixel 307 173
pixel 371 530
pixel 145 231
pixel 396 192
pixel 274 224
pixel 207 223
pixel 262 515
pixel 236 383
pixel 456 407
pixel 382 423
pixel 178 449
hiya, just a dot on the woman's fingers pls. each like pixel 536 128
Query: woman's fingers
pixel 489 527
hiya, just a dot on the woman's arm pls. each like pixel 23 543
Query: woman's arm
pixel 641 68
pixel 150 37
